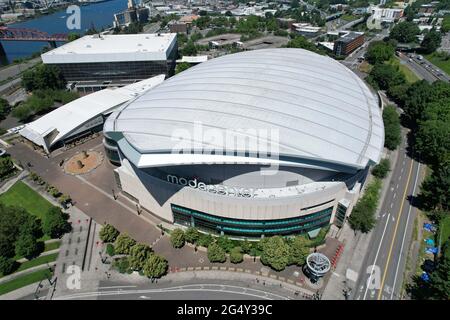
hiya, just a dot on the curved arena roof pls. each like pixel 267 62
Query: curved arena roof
pixel 322 110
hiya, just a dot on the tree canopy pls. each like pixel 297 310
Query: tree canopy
pixel 108 233
pixel 216 253
pixel 139 254
pixel 275 253
pixel 43 77
pixel 392 129
pixel 155 266
pixel 405 32
pixel 123 244
pixel 379 52
pixel 55 224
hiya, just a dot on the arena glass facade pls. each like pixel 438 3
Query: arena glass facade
pixel 251 228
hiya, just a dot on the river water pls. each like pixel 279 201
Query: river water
pixel 99 15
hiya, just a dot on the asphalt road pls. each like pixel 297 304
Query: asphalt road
pixel 381 275
pixel 192 290
pixel 422 72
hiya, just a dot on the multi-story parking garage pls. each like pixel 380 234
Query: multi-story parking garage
pixel 265 142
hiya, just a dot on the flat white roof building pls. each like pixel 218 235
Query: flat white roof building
pixel 113 48
pixel 83 114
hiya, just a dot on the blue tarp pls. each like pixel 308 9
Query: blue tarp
pixel 429 227
pixel 425 277
pixel 432 250
pixel 430 242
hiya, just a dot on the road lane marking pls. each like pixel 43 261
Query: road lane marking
pixel 380 292
pixel 404 234
pixel 376 257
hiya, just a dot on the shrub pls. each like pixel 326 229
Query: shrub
pixel 236 255
pixel 177 238
pixel 155 266
pixel 205 240
pixel 110 250
pixel 122 265
pixel 108 233
pixel 191 235
pixel 216 253
pixel 7 265
pixel 123 244
pixel 139 254
pixel 225 243
pixel 381 170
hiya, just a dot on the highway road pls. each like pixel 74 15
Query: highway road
pixel 423 68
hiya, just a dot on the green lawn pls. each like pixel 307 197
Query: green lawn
pixel 52 245
pixel 441 61
pixel 24 281
pixel 38 261
pixel 409 75
pixel 21 195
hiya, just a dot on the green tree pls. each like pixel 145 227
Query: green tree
pixel 205 240
pixel 191 235
pixel 28 246
pixel 55 223
pixel 236 255
pixel 4 108
pixel 7 265
pixel 11 218
pixel 246 246
pixel 392 129
pixel 431 41
pixel 225 243
pixel 362 217
pixel 123 244
pixel 381 170
pixel 216 253
pixel 108 233
pixel 433 140
pixel 275 253
pixel 299 250
pixel 139 254
pixel 386 76
pixel 182 67
pixel 43 77
pixel 6 166
pixel 434 194
pixel 155 266
pixel 379 52
pixel 189 49
pixel 177 238
pixel 440 278
pixel 405 32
